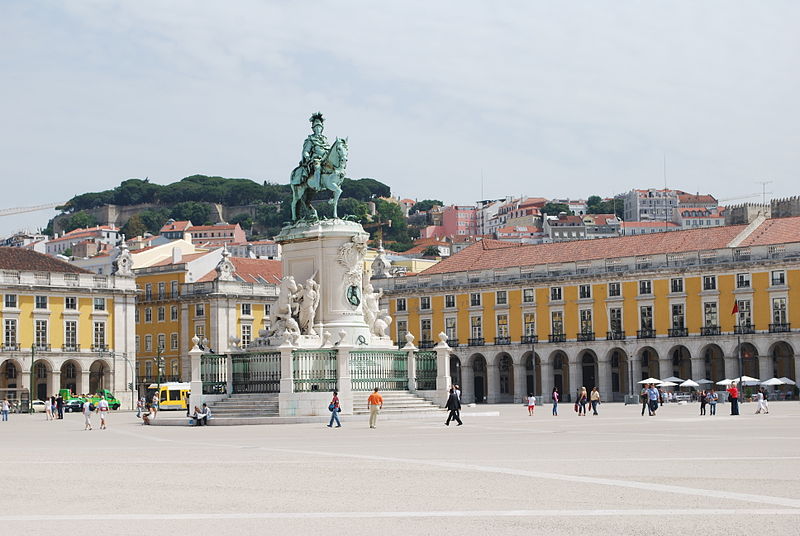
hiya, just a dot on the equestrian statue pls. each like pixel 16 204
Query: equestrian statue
pixel 321 167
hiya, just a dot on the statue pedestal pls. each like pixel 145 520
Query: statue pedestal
pixel 332 253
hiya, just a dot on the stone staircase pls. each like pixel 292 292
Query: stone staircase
pixel 395 402
pixel 246 405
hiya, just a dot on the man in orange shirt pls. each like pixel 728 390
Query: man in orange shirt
pixel 375 402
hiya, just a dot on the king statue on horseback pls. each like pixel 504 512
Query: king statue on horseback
pixel 322 167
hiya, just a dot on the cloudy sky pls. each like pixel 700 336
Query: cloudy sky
pixel 450 100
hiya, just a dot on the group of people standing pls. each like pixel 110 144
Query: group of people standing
pixel 54 407
pixel 650 397
pixel 584 398
pixel 708 398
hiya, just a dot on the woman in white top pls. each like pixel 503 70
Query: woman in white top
pixel 531 404
pixel 87 414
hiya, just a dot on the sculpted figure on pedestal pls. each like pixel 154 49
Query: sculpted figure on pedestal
pixel 371 304
pixel 381 324
pixel 309 302
pixel 321 168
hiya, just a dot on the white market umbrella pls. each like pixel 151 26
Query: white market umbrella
pixel 726 381
pixel 674 379
pixel 689 383
pixel 704 381
pixel 772 381
pixel 667 384
pixel 787 381
pixel 747 380
pixel 650 380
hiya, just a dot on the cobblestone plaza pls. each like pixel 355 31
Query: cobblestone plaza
pixel 506 473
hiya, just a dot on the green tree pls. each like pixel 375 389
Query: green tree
pixel 154 219
pixel 398 231
pixel 135 192
pixel 244 221
pixel 198 213
pixel 134 226
pixel 67 252
pixel 554 209
pixel 431 251
pixel 79 220
pixel 425 205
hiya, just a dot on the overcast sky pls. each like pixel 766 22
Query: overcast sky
pixel 539 98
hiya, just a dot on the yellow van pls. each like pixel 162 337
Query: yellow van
pixel 172 395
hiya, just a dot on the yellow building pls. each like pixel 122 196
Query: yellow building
pixel 63 328
pixel 208 294
pixel 610 312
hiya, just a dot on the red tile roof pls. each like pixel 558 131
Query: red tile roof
pixel 176 226
pixel 85 232
pixel 774 231
pixel 692 198
pixel 28 260
pixel 259 271
pixel 226 227
pixel 488 254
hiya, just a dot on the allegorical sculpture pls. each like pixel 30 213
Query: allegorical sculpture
pixel 321 167
pixel 295 310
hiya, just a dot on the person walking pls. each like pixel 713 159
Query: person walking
pixel 712 398
pixel 87 414
pixel 375 403
pixel 595 399
pixel 154 405
pixel 644 398
pixel 334 408
pixel 48 409
pixel 102 409
pixel 733 398
pixel 5 408
pixel 703 402
pixel 555 401
pixel 761 398
pixel 653 397
pixel 140 408
pixel 454 405
pixel 60 406
pixel 583 398
pixel 765 401
pixel 531 404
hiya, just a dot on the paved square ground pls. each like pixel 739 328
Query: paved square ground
pixel 616 473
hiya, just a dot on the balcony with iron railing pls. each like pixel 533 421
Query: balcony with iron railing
pixel 11 347
pixel 499 341
pixel 99 348
pixel 529 339
pixel 645 333
pixel 585 336
pixel 781 327
pixel 426 344
pixel 678 332
pixel 557 337
pixel 42 347
pixel 744 329
pixel 615 335
pixel 70 347
pixel 710 331
pixel 453 343
pixel 476 341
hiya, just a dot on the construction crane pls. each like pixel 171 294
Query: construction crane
pixel 22 210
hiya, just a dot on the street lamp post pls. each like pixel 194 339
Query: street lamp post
pixel 33 378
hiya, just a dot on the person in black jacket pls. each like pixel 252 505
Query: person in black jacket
pixel 454 405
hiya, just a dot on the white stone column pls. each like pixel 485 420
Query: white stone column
pixel 196 384
pixel 411 368
pixel 636 363
pixel 731 367
pixel 83 387
pixel 344 380
pixel 492 382
pixel 520 383
pixel 796 368
pixel 664 368
pixel 698 368
pixel 55 384
pixel 547 382
pixel 468 387
pixel 287 378
pixel 574 381
pixel 765 367
pixel 443 378
pixel 604 380
pixel 228 373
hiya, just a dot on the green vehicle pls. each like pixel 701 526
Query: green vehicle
pixel 75 403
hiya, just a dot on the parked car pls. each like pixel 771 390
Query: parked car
pixel 38 406
pixel 75 405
